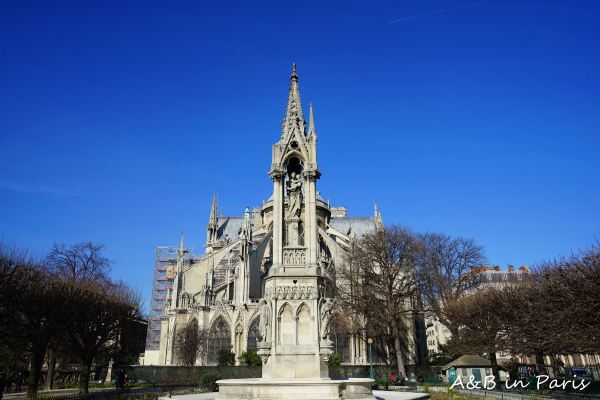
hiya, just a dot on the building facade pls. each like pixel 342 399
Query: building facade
pixel 479 278
pixel 275 259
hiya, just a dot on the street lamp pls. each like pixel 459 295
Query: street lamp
pixel 371 374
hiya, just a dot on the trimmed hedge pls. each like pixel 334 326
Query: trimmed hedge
pixel 180 375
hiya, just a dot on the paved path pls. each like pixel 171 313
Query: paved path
pixel 379 395
pixel 49 393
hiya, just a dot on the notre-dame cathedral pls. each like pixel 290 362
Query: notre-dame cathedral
pixel 283 251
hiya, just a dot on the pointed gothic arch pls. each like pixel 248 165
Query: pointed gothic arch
pixel 219 337
pixel 253 334
pixel 341 338
pixel 304 331
pixel 287 325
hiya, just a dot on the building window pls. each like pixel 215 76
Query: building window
pixel 253 334
pixel 219 338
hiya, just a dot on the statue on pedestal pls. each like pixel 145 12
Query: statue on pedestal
pixel 294 192
pixel 264 325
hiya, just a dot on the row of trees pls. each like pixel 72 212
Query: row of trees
pixel 393 277
pixel 553 311
pixel 62 304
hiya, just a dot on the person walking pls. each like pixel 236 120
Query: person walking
pixel 18 382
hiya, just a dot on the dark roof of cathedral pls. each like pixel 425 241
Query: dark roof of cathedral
pixel 357 225
pixel 229 227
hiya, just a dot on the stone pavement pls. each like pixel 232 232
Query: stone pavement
pixel 379 395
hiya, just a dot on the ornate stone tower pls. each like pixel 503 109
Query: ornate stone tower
pixel 297 302
pixel 295 310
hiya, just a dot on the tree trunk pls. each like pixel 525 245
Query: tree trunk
pixel 37 360
pixel 84 376
pixel 494 362
pixel 539 363
pixel 51 366
pixel 398 348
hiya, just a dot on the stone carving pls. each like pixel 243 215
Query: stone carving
pixel 264 351
pixel 326 350
pixel 294 256
pixel 294 192
pixel 265 321
pixel 326 309
pixel 288 292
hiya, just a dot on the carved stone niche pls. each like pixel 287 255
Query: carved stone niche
pixel 294 256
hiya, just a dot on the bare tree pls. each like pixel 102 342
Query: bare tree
pixel 556 311
pixel 482 324
pixel 82 261
pixel 442 267
pixel 100 311
pixel 376 285
pixel 190 343
pixel 31 308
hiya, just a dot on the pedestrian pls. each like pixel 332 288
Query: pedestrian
pixel 120 382
pixel 393 378
pixel 400 378
pixel 18 382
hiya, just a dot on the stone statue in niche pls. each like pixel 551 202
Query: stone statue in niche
pixel 264 324
pixel 294 192
pixel 326 311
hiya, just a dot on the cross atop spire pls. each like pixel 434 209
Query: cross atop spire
pixel 294 119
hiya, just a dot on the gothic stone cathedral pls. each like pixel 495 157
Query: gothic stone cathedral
pixel 276 260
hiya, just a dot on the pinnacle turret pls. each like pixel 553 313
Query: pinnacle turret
pixel 212 219
pixel 294 119
pixel 311 121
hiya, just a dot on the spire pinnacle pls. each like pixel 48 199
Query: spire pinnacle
pixel 180 250
pixel 212 219
pixel 294 119
pixel 311 120
pixel 378 219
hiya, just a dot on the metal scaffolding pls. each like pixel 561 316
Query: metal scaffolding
pixel 165 267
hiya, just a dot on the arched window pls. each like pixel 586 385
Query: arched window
pixel 253 334
pixel 287 326
pixel 219 338
pixel 340 338
pixel 304 325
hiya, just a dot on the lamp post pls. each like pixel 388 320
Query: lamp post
pixel 371 374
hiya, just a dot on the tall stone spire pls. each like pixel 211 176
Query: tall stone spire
pixel 293 115
pixel 378 219
pixel 212 219
pixel 212 227
pixel 311 121
pixel 180 250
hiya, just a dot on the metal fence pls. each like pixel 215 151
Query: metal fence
pixel 116 394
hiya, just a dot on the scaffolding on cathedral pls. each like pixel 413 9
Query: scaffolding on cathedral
pixel 165 265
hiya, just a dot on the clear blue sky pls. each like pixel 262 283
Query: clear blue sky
pixel 119 119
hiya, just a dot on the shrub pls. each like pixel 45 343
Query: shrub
pixel 251 358
pixel 209 382
pixel 335 360
pixel 226 357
